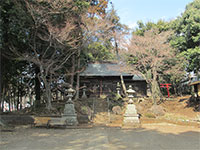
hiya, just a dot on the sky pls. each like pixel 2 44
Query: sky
pixel 131 11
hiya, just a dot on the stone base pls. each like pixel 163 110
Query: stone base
pixel 70 115
pixel 57 122
pixel 131 117
pixel 71 120
pixel 131 120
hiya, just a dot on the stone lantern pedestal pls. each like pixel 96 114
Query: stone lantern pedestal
pixel 69 114
pixel 131 118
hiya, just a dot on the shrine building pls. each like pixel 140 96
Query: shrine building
pixel 102 78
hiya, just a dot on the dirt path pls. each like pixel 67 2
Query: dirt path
pixel 151 137
pixel 170 128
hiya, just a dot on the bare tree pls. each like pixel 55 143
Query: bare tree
pixel 149 55
pixel 97 28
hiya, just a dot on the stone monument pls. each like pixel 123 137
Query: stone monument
pixel 69 114
pixel 131 118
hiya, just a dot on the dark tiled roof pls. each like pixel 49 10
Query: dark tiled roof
pixel 107 69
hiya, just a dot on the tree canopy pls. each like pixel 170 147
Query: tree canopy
pixel 187 35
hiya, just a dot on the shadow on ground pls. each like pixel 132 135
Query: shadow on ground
pixel 192 102
pixel 97 138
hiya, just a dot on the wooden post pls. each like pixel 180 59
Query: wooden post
pixel 100 88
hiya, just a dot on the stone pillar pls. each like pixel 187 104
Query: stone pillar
pixel 118 89
pixel 131 118
pixel 69 114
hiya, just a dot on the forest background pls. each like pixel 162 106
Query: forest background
pixel 46 44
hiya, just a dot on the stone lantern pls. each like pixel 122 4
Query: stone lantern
pixel 69 117
pixel 131 93
pixel 70 94
pixel 131 118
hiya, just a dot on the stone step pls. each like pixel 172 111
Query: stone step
pixel 57 122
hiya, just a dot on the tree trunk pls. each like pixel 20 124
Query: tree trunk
pixel 2 104
pixel 123 85
pixel 78 76
pixel 176 91
pixel 116 47
pixel 21 101
pixel 47 88
pixel 18 96
pixel 9 99
pixel 4 41
pixel 0 79
pixel 155 87
pixel 155 91
pixel 30 96
pixel 37 88
pixel 73 71
pixel 48 93
pixel 3 97
pixel 15 99
pixel 21 95
pixel 57 95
